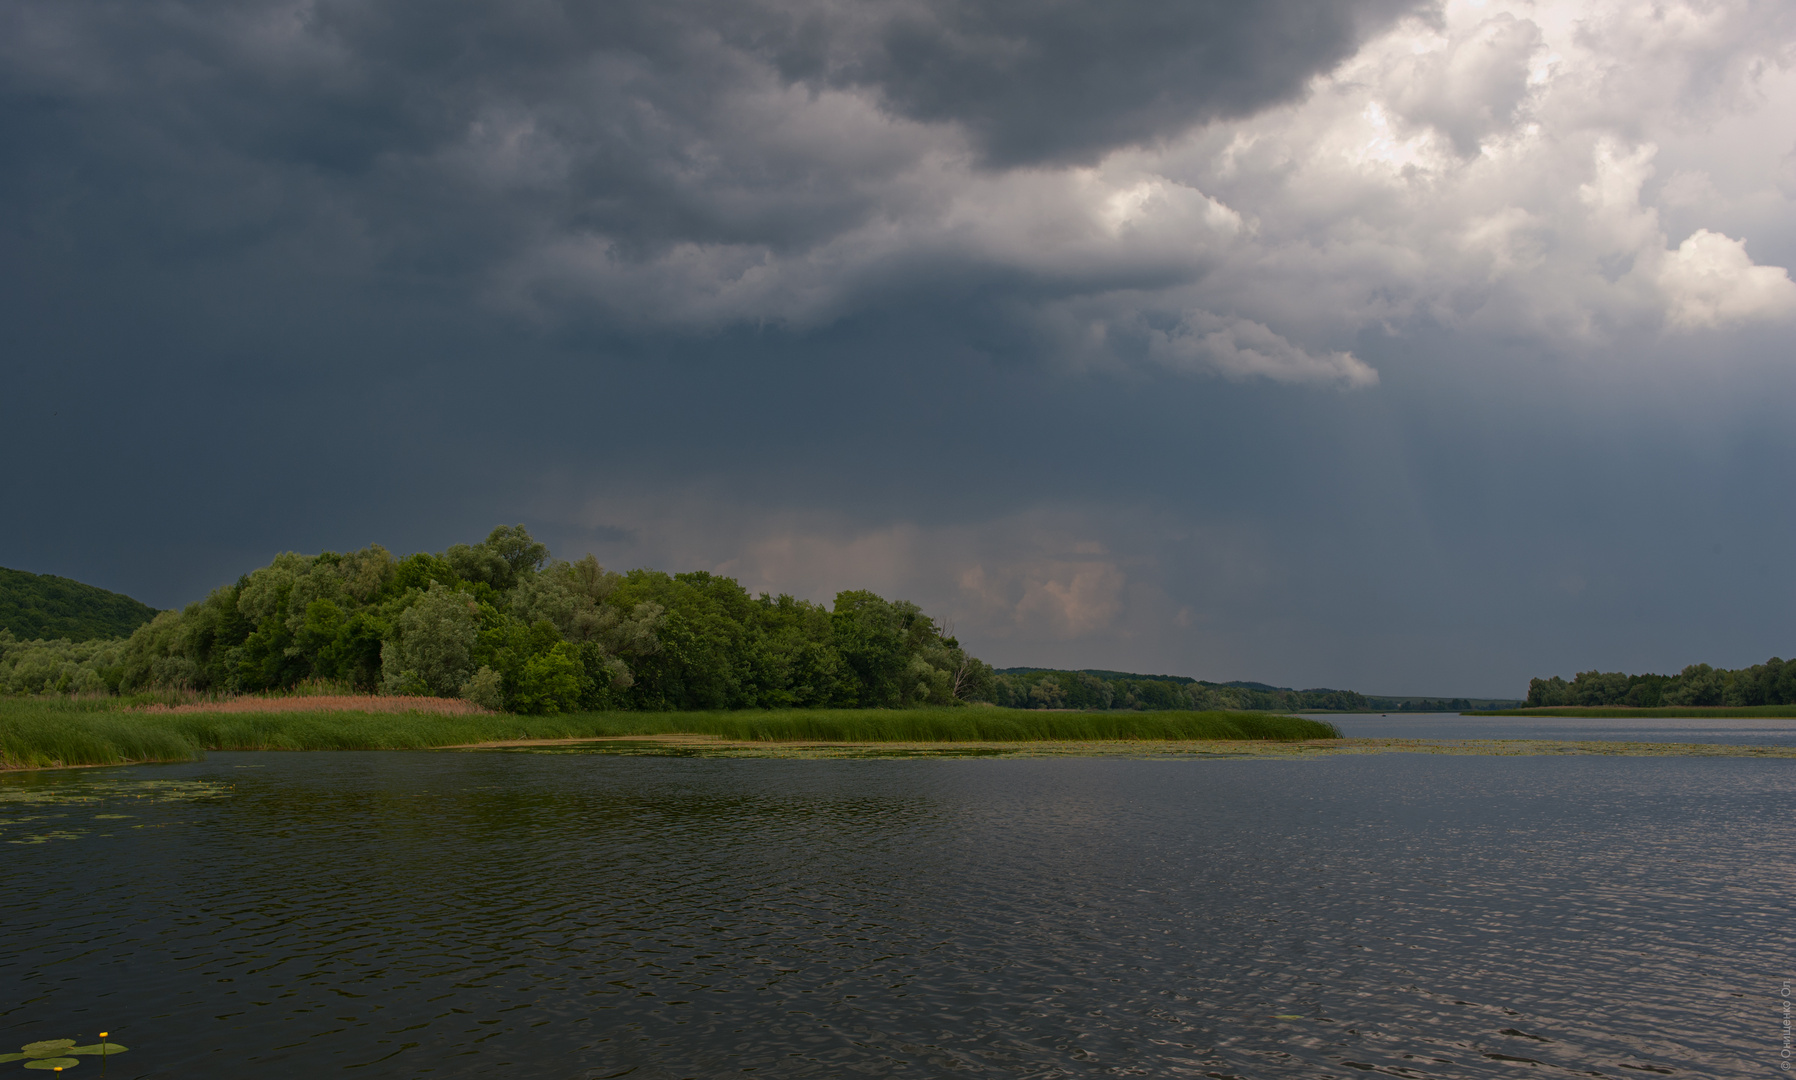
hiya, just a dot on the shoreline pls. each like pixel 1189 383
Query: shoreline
pixel 708 746
pixel 712 746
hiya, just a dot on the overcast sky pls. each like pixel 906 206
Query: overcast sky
pixel 1353 343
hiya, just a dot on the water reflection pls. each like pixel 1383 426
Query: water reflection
pixel 584 916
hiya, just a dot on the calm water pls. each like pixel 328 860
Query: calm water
pixel 579 915
pixel 1740 731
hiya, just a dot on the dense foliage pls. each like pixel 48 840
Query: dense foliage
pixel 46 606
pixel 60 666
pixel 499 623
pixel 1770 683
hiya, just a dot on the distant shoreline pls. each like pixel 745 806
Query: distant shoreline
pixel 702 746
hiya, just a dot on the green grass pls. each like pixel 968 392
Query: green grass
pixel 35 735
pixel 51 733
pixel 1607 711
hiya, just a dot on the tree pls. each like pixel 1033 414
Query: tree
pixel 431 650
pixel 513 545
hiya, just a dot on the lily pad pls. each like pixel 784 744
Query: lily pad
pixel 53 1063
pixel 1286 1016
pixel 47 1048
pixel 108 1049
pixel 11 1057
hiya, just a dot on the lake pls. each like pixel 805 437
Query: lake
pixel 588 915
pixel 1739 731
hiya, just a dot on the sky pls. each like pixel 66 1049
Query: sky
pixel 1373 344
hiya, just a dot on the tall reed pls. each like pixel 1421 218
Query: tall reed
pixel 37 733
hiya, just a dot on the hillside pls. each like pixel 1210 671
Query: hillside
pixel 46 606
pixel 1097 688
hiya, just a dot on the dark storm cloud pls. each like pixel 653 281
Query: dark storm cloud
pixel 797 291
pixel 494 122
pixel 1041 82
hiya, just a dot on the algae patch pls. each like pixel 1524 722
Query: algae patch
pixel 39 811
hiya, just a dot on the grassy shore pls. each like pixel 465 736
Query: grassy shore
pixel 51 733
pixel 691 746
pixel 1606 711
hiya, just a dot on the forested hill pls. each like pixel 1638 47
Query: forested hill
pixel 46 606
pixel 1097 688
pixel 1094 688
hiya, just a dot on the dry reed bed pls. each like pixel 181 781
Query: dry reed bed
pixel 365 703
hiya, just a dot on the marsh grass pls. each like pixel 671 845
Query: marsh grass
pixel 34 736
pixel 61 733
pixel 966 725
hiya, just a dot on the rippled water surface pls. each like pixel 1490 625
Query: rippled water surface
pixel 579 915
pixel 1739 731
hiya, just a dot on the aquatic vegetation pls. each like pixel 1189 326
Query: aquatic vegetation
pixel 98 790
pixel 39 734
pixel 962 725
pixel 59 1054
pixel 53 807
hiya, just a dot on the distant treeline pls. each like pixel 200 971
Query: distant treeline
pixel 1047 688
pixel 1093 688
pixel 1432 705
pixel 47 606
pixel 500 624
pixel 1770 683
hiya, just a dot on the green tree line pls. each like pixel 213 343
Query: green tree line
pixel 1433 705
pixel 1770 683
pixel 502 624
pixel 1041 688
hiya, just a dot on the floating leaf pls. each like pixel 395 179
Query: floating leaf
pixel 35 1049
pixel 1286 1016
pixel 108 1049
pixel 53 1063
pixel 11 1057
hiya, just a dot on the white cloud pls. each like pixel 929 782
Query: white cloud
pixel 1047 582
pixel 1493 169
pixel 1710 280
pixel 1504 167
pixel 1064 598
pixel 1242 349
